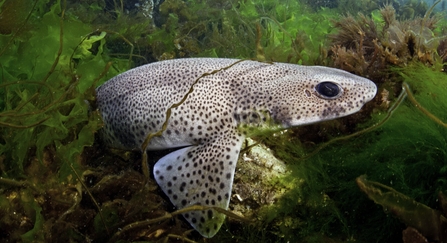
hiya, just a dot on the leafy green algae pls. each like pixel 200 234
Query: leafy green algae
pixel 48 75
pixel 41 89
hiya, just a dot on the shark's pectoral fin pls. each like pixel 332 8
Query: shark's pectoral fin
pixel 201 175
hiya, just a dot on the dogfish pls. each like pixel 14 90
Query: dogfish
pixel 215 97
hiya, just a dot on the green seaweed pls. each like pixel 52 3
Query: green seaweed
pixel 45 121
pixel 38 87
pixel 35 234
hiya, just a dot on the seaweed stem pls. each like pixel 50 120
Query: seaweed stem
pixel 91 196
pixel 167 216
pixel 260 56
pixel 427 14
pixel 11 182
pixel 61 43
pixel 111 32
pixel 29 100
pixel 14 183
pixel 183 238
pixel 420 107
pixel 44 109
pixel 128 42
pixel 19 29
pixel 5 124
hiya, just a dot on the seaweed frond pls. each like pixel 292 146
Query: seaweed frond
pixel 368 46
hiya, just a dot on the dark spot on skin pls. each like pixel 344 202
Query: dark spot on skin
pixel 182 186
pixel 212 191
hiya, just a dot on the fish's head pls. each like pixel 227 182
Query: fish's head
pixel 318 93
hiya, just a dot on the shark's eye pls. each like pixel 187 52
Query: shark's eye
pixel 328 90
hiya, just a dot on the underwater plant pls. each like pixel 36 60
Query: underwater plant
pixel 370 45
pixel 422 221
pixel 50 65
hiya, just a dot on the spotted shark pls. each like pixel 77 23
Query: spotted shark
pixel 215 97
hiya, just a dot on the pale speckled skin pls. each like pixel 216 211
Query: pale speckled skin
pixel 134 104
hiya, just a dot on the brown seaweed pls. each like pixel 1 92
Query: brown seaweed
pixel 419 218
pixel 368 46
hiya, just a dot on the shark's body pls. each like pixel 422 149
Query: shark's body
pixel 134 104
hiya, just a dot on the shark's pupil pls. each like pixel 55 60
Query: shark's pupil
pixel 328 89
